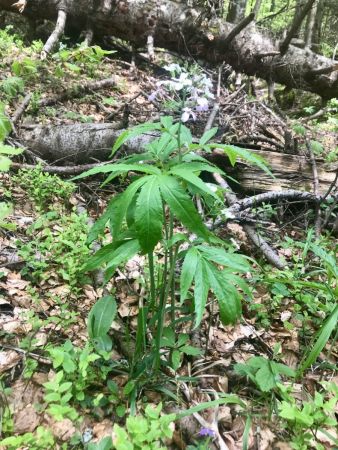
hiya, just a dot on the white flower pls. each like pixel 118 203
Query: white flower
pixel 187 112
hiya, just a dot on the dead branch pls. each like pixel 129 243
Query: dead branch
pixel 55 36
pixel 237 29
pixel 21 108
pixel 295 26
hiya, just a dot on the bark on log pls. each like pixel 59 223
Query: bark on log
pixel 177 27
pixel 85 143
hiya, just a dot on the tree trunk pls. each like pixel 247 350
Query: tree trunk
pixel 236 11
pixel 85 143
pixel 180 28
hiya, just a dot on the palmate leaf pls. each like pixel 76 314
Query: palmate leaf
pixel 149 214
pixel 121 255
pixel 190 177
pixel 136 131
pixel 226 294
pixel 100 224
pixel 121 205
pixel 181 205
pixel 234 152
pixel 199 166
pixel 120 168
pixel 201 290
pixel 230 260
pixel 188 271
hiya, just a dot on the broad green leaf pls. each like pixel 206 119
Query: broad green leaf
pixel 188 271
pixel 196 166
pixel 5 164
pixel 149 215
pixel 8 150
pixel 136 131
pixel 121 255
pixel 175 359
pixel 120 208
pixel 102 256
pixel 121 168
pixel 227 399
pixel 227 296
pixel 321 339
pixel 5 210
pixel 220 256
pixel 234 152
pixel 190 177
pixel 100 224
pixel 101 316
pixel 181 205
pixel 201 291
pixel 208 135
pixel 5 124
pixel 190 350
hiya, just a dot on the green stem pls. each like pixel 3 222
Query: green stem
pixel 152 280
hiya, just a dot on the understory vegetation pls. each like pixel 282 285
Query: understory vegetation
pixel 134 312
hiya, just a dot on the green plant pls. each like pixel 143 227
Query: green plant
pixel 144 215
pixel 44 188
pixel 264 373
pixel 306 418
pixel 146 432
pixel 41 439
pixel 5 162
pixel 61 245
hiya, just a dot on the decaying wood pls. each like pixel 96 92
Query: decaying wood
pixel 86 143
pixel 178 27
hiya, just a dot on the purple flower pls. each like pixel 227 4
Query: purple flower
pixel 152 96
pixel 206 432
pixel 202 104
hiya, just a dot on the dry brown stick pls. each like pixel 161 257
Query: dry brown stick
pixel 21 108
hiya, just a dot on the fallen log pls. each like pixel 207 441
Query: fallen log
pixel 85 143
pixel 175 26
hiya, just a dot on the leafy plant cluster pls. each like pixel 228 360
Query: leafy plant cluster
pixel 46 190
pixel 57 244
pixel 6 151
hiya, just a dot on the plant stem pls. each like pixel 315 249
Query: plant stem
pixel 152 280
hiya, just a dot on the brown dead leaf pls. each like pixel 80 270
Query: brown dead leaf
pixel 127 311
pixel 62 430
pixel 8 359
pixel 282 446
pixel 266 439
pixel 26 420
pixel 102 429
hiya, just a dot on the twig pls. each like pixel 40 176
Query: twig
pixel 21 108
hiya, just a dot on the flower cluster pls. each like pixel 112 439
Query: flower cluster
pixel 195 87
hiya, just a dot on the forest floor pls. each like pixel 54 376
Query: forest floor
pixel 280 386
